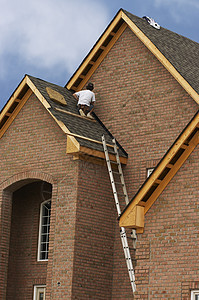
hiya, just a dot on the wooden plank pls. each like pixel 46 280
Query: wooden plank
pixel 169 166
pixel 87 139
pixel 158 181
pixel 72 145
pixel 13 98
pixel 94 50
pixel 164 163
pixel 90 159
pixel 100 154
pixel 135 219
pixel 184 146
pixel 147 42
pixel 75 115
pixel 193 143
pixel 15 112
pixel 102 56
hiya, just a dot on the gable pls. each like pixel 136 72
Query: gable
pixel 163 173
pixel 83 134
pixel 169 48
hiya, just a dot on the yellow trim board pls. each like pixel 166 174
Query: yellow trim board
pixel 171 163
pixel 94 50
pixel 26 81
pixel 13 115
pixel 164 61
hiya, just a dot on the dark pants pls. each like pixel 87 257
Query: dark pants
pixel 86 109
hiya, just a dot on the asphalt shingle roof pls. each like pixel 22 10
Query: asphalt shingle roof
pixel 180 51
pixel 80 126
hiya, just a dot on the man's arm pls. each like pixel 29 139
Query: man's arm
pixel 75 96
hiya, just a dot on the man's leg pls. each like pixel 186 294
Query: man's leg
pixel 82 110
pixel 91 107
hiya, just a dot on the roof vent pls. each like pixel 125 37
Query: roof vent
pixel 151 22
pixel 56 96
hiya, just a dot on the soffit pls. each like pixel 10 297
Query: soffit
pixel 164 172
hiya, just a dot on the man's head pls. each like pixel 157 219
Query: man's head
pixel 90 86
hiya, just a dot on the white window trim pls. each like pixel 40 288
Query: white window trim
pixel 36 287
pixel 39 238
pixel 149 171
pixel 194 294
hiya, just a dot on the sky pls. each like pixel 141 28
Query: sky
pixel 49 39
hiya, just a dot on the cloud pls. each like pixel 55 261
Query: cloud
pixel 178 9
pixel 49 33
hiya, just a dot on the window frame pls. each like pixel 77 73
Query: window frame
pixel 149 171
pixel 36 291
pixel 194 293
pixel 40 231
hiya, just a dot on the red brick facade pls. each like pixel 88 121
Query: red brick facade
pixel 145 109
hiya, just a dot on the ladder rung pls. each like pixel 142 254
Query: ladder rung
pixel 120 194
pixel 123 234
pixel 111 152
pixel 113 162
pixel 116 182
pixel 118 173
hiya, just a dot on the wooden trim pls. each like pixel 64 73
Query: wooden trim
pixel 87 139
pixel 72 145
pixel 167 159
pixel 75 115
pixel 38 94
pixel 13 99
pixel 147 42
pixel 192 145
pixel 94 50
pixel 135 219
pixel 165 163
pixel 13 115
pixel 102 56
pixel 90 159
pixel 100 154
pixel 144 39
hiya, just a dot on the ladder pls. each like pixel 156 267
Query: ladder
pixel 115 184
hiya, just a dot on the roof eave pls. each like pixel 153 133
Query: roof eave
pixel 79 79
pixel 163 173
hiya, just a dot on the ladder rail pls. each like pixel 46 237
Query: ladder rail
pixel 123 235
pixel 121 172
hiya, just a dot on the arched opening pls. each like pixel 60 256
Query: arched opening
pixel 24 270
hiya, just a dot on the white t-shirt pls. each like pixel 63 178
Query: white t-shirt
pixel 85 97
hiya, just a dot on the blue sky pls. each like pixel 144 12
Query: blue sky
pixel 48 39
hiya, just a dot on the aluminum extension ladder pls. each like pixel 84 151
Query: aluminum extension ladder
pixel 114 184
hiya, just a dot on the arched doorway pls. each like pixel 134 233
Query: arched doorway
pixel 28 241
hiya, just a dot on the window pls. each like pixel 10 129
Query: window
pixel 195 295
pixel 39 292
pixel 149 171
pixel 44 229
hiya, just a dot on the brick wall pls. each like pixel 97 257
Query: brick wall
pixel 167 252
pixel 94 238
pixel 34 147
pixel 24 270
pixel 146 109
